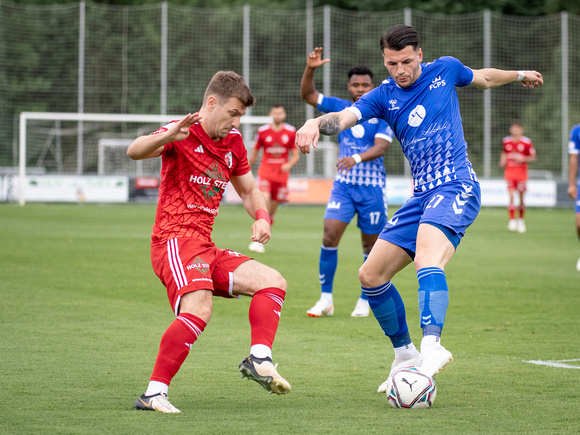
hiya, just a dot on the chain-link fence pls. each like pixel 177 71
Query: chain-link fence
pixel 156 59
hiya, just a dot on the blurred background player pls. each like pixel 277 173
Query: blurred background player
pixel 574 177
pixel 277 140
pixel 359 185
pixel 200 153
pixel 517 152
pixel 420 102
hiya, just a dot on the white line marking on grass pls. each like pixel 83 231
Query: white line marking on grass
pixel 557 363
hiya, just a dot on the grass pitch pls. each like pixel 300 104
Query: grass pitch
pixel 82 312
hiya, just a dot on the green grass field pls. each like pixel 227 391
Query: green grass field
pixel 82 313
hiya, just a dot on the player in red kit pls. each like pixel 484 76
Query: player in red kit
pixel 200 153
pixel 276 140
pixel 517 152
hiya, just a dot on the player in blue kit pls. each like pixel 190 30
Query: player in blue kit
pixel 574 176
pixel 420 103
pixel 359 185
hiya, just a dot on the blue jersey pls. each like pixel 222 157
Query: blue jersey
pixel 425 118
pixel 357 140
pixel 574 144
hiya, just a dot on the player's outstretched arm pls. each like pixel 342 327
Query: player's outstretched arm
pixel 146 147
pixel 253 201
pixel 308 91
pixel 572 174
pixel 488 78
pixel 329 125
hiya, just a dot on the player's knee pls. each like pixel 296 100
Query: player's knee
pixel 367 277
pixel 278 281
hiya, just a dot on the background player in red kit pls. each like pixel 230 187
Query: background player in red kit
pixel 279 155
pixel 200 154
pixel 517 152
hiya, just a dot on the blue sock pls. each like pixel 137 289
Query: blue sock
pixel 363 296
pixel 389 310
pixel 433 299
pixel 327 268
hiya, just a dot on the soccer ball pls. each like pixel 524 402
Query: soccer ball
pixel 411 389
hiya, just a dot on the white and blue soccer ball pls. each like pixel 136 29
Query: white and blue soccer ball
pixel 411 389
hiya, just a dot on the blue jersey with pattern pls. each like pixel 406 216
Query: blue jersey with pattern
pixel 357 140
pixel 574 143
pixel 425 118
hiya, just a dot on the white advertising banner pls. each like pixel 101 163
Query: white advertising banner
pixel 540 193
pixel 75 188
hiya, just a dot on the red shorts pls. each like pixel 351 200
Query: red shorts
pixel 278 190
pixel 185 265
pixel 516 185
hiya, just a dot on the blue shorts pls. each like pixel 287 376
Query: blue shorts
pixel 368 202
pixel 451 207
pixel 577 208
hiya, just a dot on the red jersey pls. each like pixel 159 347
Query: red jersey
pixel 515 170
pixel 194 175
pixel 276 146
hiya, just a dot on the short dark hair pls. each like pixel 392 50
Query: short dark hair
pixel 360 71
pixel 277 106
pixel 400 36
pixel 228 84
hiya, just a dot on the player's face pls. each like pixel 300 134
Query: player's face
pixel 403 65
pixel 358 85
pixel 278 115
pixel 516 130
pixel 222 117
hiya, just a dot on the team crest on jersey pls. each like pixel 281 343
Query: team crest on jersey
pixel 229 159
pixel 417 116
pixel 358 131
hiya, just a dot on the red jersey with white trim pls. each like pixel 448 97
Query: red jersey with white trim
pixel 194 175
pixel 516 170
pixel 276 146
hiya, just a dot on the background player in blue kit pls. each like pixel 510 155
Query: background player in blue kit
pixel 359 185
pixel 420 103
pixel 574 176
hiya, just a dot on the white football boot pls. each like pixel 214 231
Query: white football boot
pixel 257 247
pixel 321 308
pixel 521 226
pixel 361 309
pixel 385 387
pixel 433 361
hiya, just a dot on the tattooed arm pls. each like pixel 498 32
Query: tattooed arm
pixel 329 124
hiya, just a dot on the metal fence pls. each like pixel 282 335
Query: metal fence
pixel 156 59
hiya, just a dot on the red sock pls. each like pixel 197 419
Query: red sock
pixel 522 211
pixel 512 211
pixel 265 314
pixel 175 346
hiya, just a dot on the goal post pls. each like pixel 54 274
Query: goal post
pixel 247 122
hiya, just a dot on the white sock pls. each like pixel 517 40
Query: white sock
pixel 261 351
pixel 405 352
pixel 156 388
pixel 430 342
pixel 327 297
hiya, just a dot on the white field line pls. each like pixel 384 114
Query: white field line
pixel 557 363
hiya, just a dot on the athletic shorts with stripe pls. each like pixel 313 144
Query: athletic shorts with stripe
pixel 185 265
pixel 451 207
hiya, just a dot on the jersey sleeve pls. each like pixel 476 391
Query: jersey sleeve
pixel 463 74
pixel 330 104
pixel 384 131
pixel 258 141
pixel 242 167
pixel 574 143
pixel 368 106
